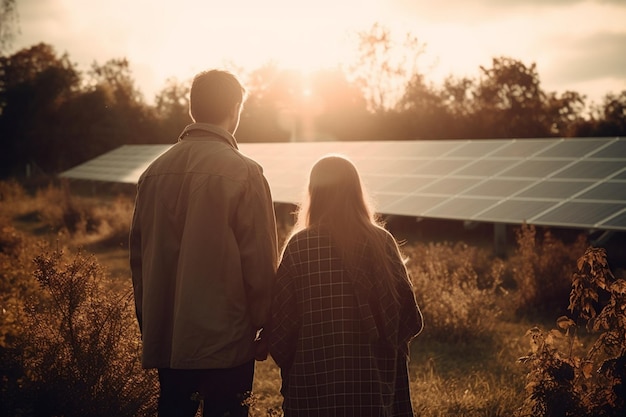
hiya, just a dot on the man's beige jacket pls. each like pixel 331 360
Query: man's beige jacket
pixel 203 253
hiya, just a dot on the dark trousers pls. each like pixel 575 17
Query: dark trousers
pixel 222 391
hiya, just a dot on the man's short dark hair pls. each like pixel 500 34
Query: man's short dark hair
pixel 213 95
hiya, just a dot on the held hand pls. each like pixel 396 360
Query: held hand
pixel 261 349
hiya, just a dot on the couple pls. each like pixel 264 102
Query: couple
pixel 336 312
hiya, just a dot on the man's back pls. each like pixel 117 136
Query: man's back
pixel 207 244
pixel 203 254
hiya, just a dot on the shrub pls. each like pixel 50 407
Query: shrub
pixel 16 285
pixel 11 191
pixel 81 344
pixel 567 380
pixel 115 220
pixel 16 281
pixel 541 270
pixel 61 212
pixel 85 220
pixel 455 286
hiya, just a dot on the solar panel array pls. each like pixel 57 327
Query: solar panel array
pixel 579 183
pixel 124 164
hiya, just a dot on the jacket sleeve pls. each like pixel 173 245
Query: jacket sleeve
pixel 134 245
pixel 255 230
pixel 411 319
pixel 285 322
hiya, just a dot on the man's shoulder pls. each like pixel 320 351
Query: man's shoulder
pixel 204 158
pixel 250 162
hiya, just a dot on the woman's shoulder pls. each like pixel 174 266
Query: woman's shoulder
pixel 305 245
pixel 307 236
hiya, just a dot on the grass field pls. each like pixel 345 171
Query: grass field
pixel 477 307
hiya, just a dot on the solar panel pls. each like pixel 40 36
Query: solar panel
pixel 573 213
pixel 607 191
pixel 124 164
pixel 448 186
pixel 411 204
pixel 535 168
pixel 590 169
pixel 615 149
pixel 524 148
pixel 485 167
pixel 579 182
pixel 555 189
pixel 461 208
pixel 572 148
pixel 477 149
pixel 507 210
pixel 499 187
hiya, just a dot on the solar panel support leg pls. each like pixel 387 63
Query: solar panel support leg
pixel 499 239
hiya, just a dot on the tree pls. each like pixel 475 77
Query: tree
pixel 384 66
pixel 510 101
pixel 271 95
pixel 35 83
pixel 614 114
pixel 606 119
pixel 565 113
pixel 108 112
pixel 8 24
pixel 53 118
pixel 457 95
pixel 341 107
pixel 115 75
pixel 172 108
pixel 422 111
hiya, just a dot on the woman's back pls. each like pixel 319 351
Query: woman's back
pixel 333 362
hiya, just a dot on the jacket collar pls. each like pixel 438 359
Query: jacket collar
pixel 202 130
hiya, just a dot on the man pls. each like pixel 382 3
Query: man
pixel 203 254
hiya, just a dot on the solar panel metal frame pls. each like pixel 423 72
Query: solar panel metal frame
pixel 576 182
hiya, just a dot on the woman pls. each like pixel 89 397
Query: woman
pixel 343 310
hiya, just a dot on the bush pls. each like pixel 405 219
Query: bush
pixel 541 270
pixel 16 285
pixel 16 280
pixel 81 345
pixel 456 288
pixel 11 191
pixel 61 212
pixel 564 378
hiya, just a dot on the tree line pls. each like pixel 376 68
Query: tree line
pixel 53 116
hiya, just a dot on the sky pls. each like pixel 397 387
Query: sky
pixel 577 45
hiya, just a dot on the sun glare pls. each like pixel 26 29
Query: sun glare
pixel 295 36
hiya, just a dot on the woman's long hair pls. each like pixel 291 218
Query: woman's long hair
pixel 337 203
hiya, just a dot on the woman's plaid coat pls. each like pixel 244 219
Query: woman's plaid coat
pixel 340 337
